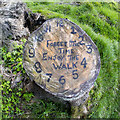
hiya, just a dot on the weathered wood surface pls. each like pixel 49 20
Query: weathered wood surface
pixel 62 59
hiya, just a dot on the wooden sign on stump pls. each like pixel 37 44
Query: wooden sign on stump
pixel 62 59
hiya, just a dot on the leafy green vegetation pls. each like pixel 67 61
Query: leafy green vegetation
pixel 13 59
pixel 11 100
pixel 100 21
pixel 11 97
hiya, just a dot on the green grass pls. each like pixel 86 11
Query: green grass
pixel 102 19
pixel 45 109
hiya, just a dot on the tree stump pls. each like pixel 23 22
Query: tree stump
pixel 62 59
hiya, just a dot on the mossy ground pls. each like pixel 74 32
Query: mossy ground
pixel 100 21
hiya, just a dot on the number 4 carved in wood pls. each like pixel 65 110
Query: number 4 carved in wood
pixel 84 62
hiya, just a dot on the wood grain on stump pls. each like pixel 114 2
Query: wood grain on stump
pixel 62 59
